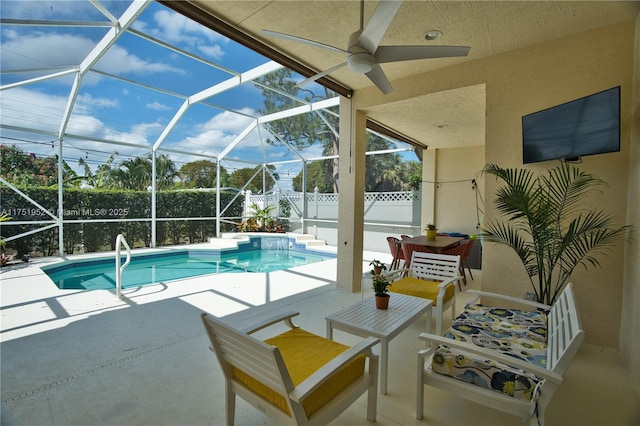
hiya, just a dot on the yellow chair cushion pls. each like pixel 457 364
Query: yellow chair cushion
pixel 305 353
pixel 421 288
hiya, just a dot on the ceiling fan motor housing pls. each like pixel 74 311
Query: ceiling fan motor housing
pixel 359 59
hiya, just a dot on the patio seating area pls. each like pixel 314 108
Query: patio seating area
pixel 85 358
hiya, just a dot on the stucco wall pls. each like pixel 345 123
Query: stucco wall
pixel 456 199
pixel 630 325
pixel 525 81
pixel 546 75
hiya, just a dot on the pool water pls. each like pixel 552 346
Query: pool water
pixel 151 269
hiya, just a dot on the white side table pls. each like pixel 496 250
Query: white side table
pixel 364 319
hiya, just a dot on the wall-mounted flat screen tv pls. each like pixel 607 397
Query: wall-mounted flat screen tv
pixel 586 126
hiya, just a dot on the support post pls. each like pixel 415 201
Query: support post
pixel 351 200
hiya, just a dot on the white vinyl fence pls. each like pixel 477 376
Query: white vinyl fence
pixel 385 214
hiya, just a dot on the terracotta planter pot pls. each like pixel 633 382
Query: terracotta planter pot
pixel 377 270
pixel 382 302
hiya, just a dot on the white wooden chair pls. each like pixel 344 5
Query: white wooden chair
pixel 278 376
pixel 564 337
pixel 430 276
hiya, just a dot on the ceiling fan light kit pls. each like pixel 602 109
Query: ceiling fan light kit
pixel 364 53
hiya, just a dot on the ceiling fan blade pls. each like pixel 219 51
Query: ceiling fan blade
pixel 276 34
pixel 377 76
pixel 378 23
pixel 320 75
pixel 410 53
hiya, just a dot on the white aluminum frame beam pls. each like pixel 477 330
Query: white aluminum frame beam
pixel 38 79
pixel 235 81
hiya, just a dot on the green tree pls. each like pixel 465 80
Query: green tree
pixel 304 130
pixel 166 171
pixel 243 176
pixel 318 176
pixel 13 159
pixel 136 173
pixel 383 171
pixel 202 174
pixel 22 169
pixel 412 176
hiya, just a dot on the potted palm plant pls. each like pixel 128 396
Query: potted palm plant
pixel 549 225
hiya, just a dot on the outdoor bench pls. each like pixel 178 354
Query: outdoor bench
pixel 512 360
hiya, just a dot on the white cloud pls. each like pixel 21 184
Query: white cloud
pixel 38 50
pixel 157 106
pixel 32 109
pixel 86 102
pixel 120 61
pixel 213 51
pixel 229 122
pixel 82 124
pixel 214 135
pixel 139 133
pixel 43 50
pixel 27 108
pixel 177 29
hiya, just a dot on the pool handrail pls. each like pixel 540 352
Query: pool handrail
pixel 120 240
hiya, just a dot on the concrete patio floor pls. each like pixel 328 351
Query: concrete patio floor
pixel 85 358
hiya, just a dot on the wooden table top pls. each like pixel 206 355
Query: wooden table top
pixel 441 242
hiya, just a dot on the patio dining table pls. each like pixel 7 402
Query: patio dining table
pixel 438 245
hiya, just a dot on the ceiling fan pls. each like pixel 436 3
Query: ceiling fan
pixel 364 55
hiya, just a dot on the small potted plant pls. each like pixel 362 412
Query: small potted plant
pixel 431 231
pixel 378 267
pixel 380 284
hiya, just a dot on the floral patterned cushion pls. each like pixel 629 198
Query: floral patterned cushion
pixel 485 373
pixel 530 324
pixel 521 334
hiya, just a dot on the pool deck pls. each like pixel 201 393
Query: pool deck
pixel 73 357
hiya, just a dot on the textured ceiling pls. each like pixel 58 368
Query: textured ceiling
pixel 488 27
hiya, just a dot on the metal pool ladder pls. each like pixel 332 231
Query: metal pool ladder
pixel 120 240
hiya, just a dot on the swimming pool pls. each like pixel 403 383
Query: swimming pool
pixel 162 267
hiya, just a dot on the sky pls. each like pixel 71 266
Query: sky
pixel 110 109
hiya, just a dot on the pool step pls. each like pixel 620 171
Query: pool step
pixel 314 243
pixel 309 240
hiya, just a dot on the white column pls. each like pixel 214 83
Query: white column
pixel 351 200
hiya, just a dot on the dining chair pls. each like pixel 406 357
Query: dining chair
pixel 465 259
pixel 405 237
pixel 408 249
pixel 295 377
pixel 464 251
pixel 431 276
pixel 396 252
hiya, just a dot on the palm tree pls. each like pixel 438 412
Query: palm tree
pixel 166 171
pixel 548 224
pixel 102 177
pixel 134 173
